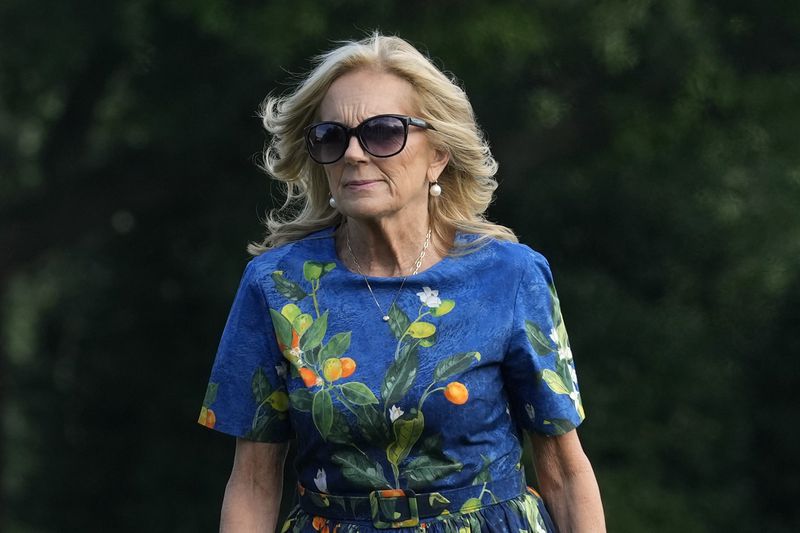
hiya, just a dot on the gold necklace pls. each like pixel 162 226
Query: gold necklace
pixel 417 265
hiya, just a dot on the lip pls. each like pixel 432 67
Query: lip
pixel 360 184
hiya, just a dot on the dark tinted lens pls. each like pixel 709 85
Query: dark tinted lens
pixel 327 142
pixel 383 136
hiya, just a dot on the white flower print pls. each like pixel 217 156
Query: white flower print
pixel 565 353
pixel 429 297
pixel 531 412
pixel 321 480
pixel 575 396
pixel 572 373
pixel 280 370
pixel 296 352
pixel 395 413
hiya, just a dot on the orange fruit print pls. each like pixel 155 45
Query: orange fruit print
pixel 207 418
pixel 456 393
pixel 332 369
pixel 309 377
pixel 348 366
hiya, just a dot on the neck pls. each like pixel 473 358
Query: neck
pixel 385 250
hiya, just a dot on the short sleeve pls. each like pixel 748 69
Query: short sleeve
pixel 538 369
pixel 246 394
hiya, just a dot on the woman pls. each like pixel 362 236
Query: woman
pixel 405 340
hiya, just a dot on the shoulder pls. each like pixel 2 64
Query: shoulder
pixel 263 265
pixel 517 260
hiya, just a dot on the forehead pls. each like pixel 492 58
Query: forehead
pixel 361 94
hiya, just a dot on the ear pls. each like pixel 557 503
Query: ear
pixel 437 165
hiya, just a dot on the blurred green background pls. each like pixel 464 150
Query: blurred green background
pixel 649 149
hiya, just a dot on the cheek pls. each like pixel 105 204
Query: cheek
pixel 405 175
pixel 333 173
pixel 413 163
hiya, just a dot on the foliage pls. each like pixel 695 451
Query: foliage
pixel 648 149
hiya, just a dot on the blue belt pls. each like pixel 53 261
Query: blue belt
pixel 392 508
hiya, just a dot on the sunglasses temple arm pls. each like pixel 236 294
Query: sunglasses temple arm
pixel 420 123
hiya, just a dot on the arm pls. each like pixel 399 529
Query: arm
pixel 567 483
pixel 253 494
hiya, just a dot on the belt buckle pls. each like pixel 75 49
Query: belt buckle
pixel 393 508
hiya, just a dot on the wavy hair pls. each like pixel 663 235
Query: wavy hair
pixel 467 181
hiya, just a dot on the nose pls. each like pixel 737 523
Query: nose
pixel 354 153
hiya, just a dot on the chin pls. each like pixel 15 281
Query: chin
pixel 366 209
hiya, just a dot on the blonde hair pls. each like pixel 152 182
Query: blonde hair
pixel 467 181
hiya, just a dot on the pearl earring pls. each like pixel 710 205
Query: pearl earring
pixel 435 189
pixel 332 202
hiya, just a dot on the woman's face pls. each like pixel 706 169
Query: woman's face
pixel 367 187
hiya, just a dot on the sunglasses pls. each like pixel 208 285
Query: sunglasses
pixel 379 136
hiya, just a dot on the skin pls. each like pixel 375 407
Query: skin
pixel 567 483
pixel 253 493
pixel 385 201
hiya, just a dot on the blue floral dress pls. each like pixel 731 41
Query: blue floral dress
pixel 411 424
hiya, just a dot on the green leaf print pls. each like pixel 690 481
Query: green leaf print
pixel 301 399
pixel 445 307
pixel 312 270
pixel 338 500
pixel 327 267
pixel 357 469
pixel 558 319
pixel 322 412
pixel 372 425
pixel 555 382
pixel 561 332
pixel 287 288
pixel 562 425
pixel 211 394
pixel 320 500
pixel 432 443
pixel 283 328
pixel 358 393
pixel 432 447
pixel 435 500
pixel 428 341
pixel 421 330
pixel 542 344
pixel 398 321
pixel 472 504
pixel 423 470
pixel 455 364
pixel 260 385
pixel 562 368
pixel 400 376
pixel 335 347
pixel 314 335
pixel 484 476
pixel 261 425
pixel 340 429
pixel 311 357
pixel 406 433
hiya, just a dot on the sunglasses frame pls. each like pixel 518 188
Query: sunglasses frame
pixel 356 130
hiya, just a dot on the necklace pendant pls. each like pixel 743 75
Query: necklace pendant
pixel 386 318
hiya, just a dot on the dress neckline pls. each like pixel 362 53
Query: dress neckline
pixel 329 235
